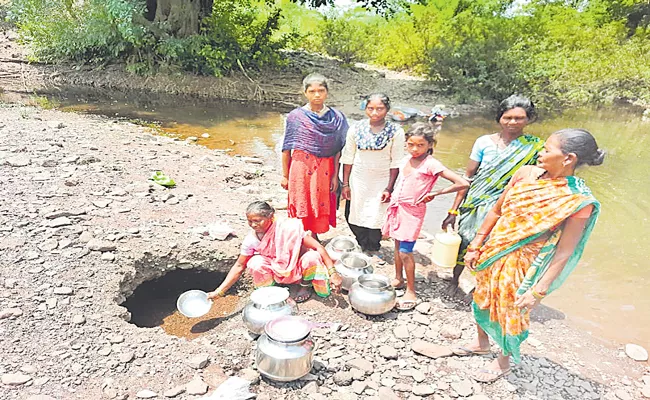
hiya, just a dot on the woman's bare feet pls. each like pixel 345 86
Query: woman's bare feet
pixel 496 369
pixel 477 347
pixel 303 294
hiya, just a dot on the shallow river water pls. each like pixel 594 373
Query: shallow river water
pixel 608 294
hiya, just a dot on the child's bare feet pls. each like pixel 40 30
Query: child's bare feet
pixel 407 302
pixel 398 283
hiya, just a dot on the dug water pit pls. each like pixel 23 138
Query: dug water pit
pixel 153 303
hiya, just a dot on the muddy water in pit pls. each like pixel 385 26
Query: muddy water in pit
pixel 607 294
pixel 153 303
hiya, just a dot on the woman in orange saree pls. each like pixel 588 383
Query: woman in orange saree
pixel 282 253
pixel 536 234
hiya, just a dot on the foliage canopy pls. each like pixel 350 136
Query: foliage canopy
pixel 557 51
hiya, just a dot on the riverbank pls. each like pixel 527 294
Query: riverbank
pixel 277 88
pixel 82 227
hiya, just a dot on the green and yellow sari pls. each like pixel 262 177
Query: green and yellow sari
pixel 488 184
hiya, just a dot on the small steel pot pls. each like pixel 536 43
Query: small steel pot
pixel 285 352
pixel 372 294
pixel 351 266
pixel 267 304
pixel 341 245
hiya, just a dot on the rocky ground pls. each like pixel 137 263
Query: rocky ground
pixel 81 226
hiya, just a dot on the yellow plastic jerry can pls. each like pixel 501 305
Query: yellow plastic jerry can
pixel 445 248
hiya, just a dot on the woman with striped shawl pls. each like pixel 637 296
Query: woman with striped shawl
pixel 494 160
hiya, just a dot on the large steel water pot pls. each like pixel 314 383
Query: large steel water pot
pixel 341 245
pixel 372 294
pixel 285 352
pixel 351 266
pixel 267 304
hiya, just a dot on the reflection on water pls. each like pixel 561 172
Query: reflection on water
pixel 607 294
pixel 243 128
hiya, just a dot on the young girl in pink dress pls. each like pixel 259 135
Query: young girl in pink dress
pixel 408 205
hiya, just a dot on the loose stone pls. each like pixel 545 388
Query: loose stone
pixel 250 375
pixel 196 387
pixel 636 352
pixel 15 379
pixel 61 221
pixel 388 352
pixel 361 364
pixel 198 361
pixel 10 312
pixel 63 291
pixel 401 332
pixel 423 390
pixel 431 350
pixel 146 394
pixel 343 378
pixel 463 388
pixel 100 245
pixel 178 390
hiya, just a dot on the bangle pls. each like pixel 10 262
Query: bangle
pixel 473 248
pixel 332 271
pixel 480 234
pixel 345 185
pixel 388 190
pixel 453 212
pixel 219 293
pixel 537 295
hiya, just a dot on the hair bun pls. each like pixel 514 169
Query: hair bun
pixel 599 157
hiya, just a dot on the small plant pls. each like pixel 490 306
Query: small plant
pixel 44 102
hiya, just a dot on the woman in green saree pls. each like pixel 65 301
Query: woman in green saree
pixel 493 161
pixel 536 233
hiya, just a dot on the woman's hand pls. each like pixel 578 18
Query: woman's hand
pixel 215 294
pixel 426 198
pixel 335 184
pixel 346 193
pixel 385 196
pixel 336 280
pixel 471 257
pixel 527 301
pixel 284 183
pixel 450 220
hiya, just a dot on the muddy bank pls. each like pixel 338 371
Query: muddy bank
pixel 82 227
pixel 278 88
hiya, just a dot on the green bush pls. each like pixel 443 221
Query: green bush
pixel 238 34
pixel 348 36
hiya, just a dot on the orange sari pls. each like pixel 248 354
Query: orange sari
pixel 517 254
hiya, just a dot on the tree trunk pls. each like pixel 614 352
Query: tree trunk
pixel 182 16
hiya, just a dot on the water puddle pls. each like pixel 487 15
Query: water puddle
pixel 153 303
pixel 243 128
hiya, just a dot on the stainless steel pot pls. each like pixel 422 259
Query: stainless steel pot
pixel 372 294
pixel 285 352
pixel 341 245
pixel 351 266
pixel 267 304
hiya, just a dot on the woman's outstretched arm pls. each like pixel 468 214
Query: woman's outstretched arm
pixel 233 276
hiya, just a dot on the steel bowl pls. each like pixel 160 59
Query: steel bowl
pixel 194 303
